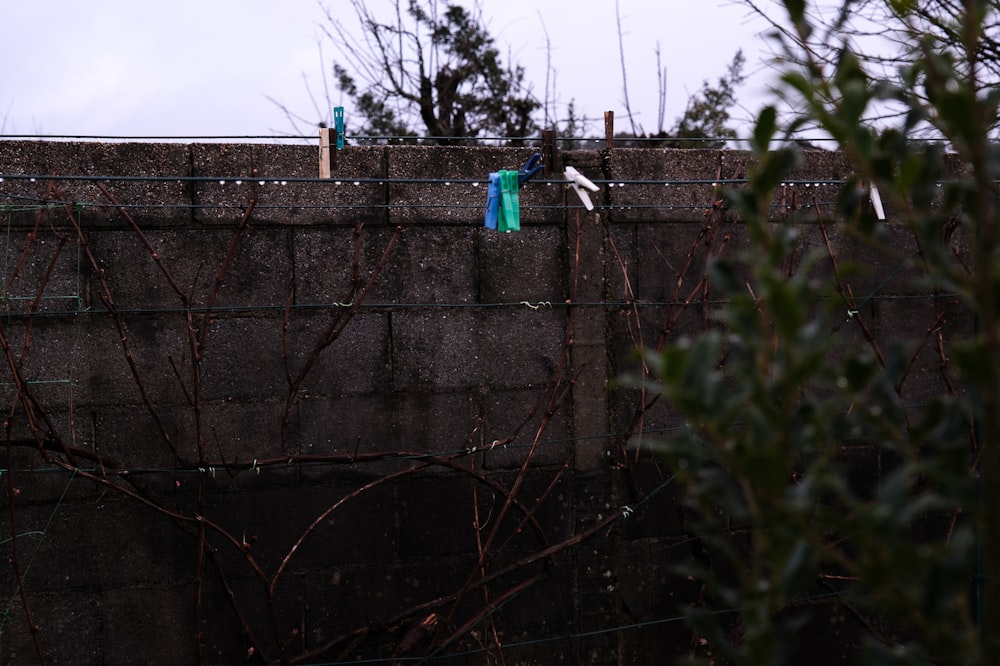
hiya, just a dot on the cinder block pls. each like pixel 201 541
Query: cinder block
pixel 42 272
pixel 621 259
pixel 354 192
pixel 534 339
pixel 84 359
pixel 193 266
pixel 351 353
pixel 343 426
pixel 527 266
pixel 429 265
pixel 243 431
pixel 435 423
pixel 906 328
pixel 70 630
pixel 256 514
pixel 336 266
pixel 132 438
pixel 243 358
pixel 101 372
pixel 224 637
pixel 387 602
pixel 685 184
pixel 146 185
pixel 359 526
pixel 45 542
pixel 673 258
pixel 459 194
pixel 451 348
pixel 284 184
pixel 515 419
pixel 147 622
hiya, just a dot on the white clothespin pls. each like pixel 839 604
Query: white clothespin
pixel 876 199
pixel 579 183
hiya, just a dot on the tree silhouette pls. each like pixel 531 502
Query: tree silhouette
pixel 432 70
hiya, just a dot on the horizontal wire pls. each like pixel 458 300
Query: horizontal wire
pixel 312 464
pixel 49 203
pixel 528 305
pixel 250 180
pixel 533 140
pixel 809 599
pixel 364 137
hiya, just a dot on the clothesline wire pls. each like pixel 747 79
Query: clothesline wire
pixel 39 202
pixel 537 305
pixel 532 140
pixel 809 599
pixel 338 179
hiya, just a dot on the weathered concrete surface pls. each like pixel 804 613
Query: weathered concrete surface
pixel 360 402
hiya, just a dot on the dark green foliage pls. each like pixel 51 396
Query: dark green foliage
pixel 705 121
pixel 781 406
pixel 433 71
pixel 709 110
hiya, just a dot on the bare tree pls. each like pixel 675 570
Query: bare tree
pixel 431 69
pixel 886 37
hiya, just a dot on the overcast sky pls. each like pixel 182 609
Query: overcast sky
pixel 206 67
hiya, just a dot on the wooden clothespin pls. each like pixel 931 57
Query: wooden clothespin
pixel 549 151
pixel 331 141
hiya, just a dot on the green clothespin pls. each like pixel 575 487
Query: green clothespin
pixel 510 205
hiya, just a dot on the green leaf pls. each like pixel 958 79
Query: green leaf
pixel 764 130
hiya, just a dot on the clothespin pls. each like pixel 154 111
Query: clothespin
pixel 338 125
pixel 493 201
pixel 530 168
pixel 331 140
pixel 876 200
pixel 580 184
pixel 503 204
pixel 510 205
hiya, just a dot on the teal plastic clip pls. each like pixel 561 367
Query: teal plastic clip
pixel 510 205
pixel 338 125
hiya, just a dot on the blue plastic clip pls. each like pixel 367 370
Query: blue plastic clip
pixel 338 125
pixel 493 201
pixel 503 205
pixel 530 168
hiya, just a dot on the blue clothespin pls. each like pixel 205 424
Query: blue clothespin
pixel 493 201
pixel 338 125
pixel 503 204
pixel 530 168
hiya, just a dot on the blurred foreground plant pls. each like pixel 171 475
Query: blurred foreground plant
pixel 774 399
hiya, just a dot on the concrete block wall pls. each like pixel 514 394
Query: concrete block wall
pixel 256 416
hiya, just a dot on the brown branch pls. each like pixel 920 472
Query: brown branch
pixel 14 558
pixel 106 297
pixel 333 332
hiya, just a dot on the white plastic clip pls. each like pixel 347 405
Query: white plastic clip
pixel 876 199
pixel 627 511
pixel 580 183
